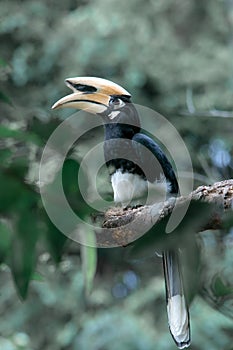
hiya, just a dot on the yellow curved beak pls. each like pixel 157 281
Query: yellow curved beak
pixel 93 103
pixel 89 93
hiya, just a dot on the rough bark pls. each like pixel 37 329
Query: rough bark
pixel 121 227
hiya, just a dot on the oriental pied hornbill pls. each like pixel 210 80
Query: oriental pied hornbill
pixel 131 176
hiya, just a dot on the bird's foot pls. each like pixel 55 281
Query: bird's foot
pixel 136 206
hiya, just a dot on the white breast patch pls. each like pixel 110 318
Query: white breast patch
pixel 128 188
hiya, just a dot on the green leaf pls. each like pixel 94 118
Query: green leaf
pixel 89 258
pixel 5 240
pixel 55 241
pixel 220 288
pixel 43 129
pixel 22 265
pixel 5 98
pixel 70 172
pixel 3 63
pixel 23 254
pixel 10 193
pixel 37 277
pixel 5 155
pixel 15 194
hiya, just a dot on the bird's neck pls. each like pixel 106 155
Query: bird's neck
pixel 119 131
pixel 125 124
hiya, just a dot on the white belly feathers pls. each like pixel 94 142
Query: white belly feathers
pixel 128 188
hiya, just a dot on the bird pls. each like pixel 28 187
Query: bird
pixel 136 163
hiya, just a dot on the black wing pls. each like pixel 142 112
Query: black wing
pixel 147 157
pixel 177 308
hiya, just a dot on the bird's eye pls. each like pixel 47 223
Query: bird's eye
pixel 116 102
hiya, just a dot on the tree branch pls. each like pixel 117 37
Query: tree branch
pixel 121 227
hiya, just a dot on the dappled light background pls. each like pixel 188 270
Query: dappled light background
pixel 175 57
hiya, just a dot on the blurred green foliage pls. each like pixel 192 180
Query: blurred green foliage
pixel 163 47
pixel 175 57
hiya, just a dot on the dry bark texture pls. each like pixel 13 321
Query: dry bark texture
pixel 121 227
